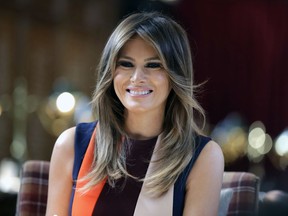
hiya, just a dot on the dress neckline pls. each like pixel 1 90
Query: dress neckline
pixel 144 141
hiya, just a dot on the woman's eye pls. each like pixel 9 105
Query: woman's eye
pixel 125 64
pixel 153 65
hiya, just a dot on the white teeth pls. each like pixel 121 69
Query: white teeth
pixel 139 92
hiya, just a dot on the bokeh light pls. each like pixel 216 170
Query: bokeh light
pixel 267 146
pixel 65 102
pixel 259 142
pixel 281 143
pixel 64 109
pixel 9 180
pixel 256 138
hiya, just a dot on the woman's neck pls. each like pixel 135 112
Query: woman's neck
pixel 142 126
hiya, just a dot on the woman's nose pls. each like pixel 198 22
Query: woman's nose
pixel 138 75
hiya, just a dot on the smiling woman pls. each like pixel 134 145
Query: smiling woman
pixel 145 155
pixel 141 83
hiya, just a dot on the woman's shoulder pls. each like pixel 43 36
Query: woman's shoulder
pixel 64 146
pixel 65 140
pixel 205 147
pixel 199 187
pixel 63 154
pixel 211 159
pixel 213 151
pixel 208 146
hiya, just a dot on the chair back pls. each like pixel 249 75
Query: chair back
pixel 245 199
pixel 32 197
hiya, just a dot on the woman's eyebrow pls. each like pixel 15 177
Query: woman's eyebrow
pixel 126 57
pixel 153 58
pixel 147 59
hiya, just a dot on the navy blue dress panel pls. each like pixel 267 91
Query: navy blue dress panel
pixel 180 185
pixel 83 135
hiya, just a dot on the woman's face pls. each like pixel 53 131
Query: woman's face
pixel 140 81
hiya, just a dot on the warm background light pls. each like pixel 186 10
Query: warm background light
pixel 281 144
pixel 65 102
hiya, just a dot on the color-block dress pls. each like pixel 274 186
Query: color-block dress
pixel 127 198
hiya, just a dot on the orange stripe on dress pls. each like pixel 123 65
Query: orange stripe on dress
pixel 84 203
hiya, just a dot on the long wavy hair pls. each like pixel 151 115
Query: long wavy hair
pixel 179 126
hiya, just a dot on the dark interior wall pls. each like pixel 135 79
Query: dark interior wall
pixel 241 48
pixel 42 42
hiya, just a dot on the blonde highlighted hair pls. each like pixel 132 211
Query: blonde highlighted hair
pixel 179 127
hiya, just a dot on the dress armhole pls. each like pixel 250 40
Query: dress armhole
pixel 82 137
pixel 83 134
pixel 180 184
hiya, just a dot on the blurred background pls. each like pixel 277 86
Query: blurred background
pixel 49 50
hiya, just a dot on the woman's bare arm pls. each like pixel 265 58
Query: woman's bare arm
pixel 60 174
pixel 204 182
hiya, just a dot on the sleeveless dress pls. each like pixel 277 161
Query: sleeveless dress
pixel 128 198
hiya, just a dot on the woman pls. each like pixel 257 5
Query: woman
pixel 145 155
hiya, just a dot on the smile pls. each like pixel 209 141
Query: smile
pixel 139 92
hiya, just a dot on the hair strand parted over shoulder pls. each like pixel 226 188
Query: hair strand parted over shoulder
pixel 179 126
